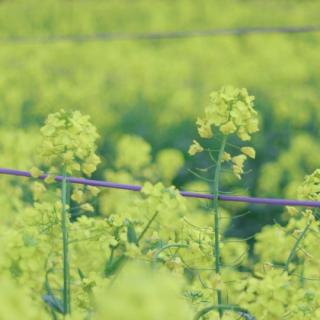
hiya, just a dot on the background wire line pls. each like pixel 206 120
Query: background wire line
pixel 119 36
pixel 189 194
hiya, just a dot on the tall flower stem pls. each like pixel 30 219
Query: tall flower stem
pixel 216 251
pixel 64 229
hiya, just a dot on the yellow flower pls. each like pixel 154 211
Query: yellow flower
pixel 292 211
pixel 69 141
pixel 310 188
pixel 231 110
pixel 228 128
pixel 195 148
pixel 237 171
pixel 68 156
pixel 93 190
pixel 35 172
pixel 132 250
pixel 204 128
pixel 217 282
pixel 87 207
pixel 226 156
pixel 38 189
pixel 113 242
pixel 88 168
pixel 238 162
pixel 50 179
pixel 77 196
pixel 248 151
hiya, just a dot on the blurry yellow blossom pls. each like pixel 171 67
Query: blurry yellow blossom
pixel 169 161
pixel 87 207
pixel 50 179
pixel 93 190
pixel 195 148
pixel 35 172
pixel 142 294
pixel 310 188
pixel 226 156
pixel 204 128
pixel 77 196
pixel 249 151
pixel 228 128
pixel 38 190
pixel 133 153
pixel 292 211
pixel 132 250
pixel 238 162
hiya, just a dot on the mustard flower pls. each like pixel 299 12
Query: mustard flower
pixel 310 188
pixel 238 163
pixel 195 148
pixel 204 128
pixel 69 142
pixel 249 151
pixel 231 110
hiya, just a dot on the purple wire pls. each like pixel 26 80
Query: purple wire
pixel 189 194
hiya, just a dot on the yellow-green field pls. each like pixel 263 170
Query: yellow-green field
pixel 71 252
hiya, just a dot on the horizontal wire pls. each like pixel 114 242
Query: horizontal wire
pixel 119 36
pixel 188 194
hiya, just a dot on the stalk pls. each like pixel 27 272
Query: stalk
pixel 216 209
pixel 64 229
pixel 296 246
pixel 229 307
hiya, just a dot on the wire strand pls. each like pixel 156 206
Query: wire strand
pixel 120 36
pixel 188 194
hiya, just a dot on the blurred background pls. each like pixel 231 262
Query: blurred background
pixel 154 89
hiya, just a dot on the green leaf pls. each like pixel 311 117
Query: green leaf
pixel 114 265
pixel 81 274
pixel 54 303
pixel 131 233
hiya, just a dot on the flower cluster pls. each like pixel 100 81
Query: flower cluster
pixel 142 294
pixel 231 110
pixel 69 142
pixel 310 189
pixel 133 153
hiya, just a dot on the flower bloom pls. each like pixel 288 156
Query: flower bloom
pixel 231 110
pixel 195 148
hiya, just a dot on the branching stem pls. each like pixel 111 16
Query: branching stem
pixel 242 312
pixel 296 246
pixel 216 250
pixel 64 229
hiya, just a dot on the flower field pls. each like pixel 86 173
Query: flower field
pixel 150 176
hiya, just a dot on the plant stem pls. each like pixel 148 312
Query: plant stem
pixel 216 251
pixel 147 226
pixel 296 246
pixel 234 308
pixel 64 229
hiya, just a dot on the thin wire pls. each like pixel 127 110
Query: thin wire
pixel 188 194
pixel 119 36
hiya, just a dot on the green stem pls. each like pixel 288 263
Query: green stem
pixel 115 265
pixel 296 245
pixel 217 219
pixel 222 307
pixel 147 226
pixel 64 229
pixel 302 274
pixel 168 246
